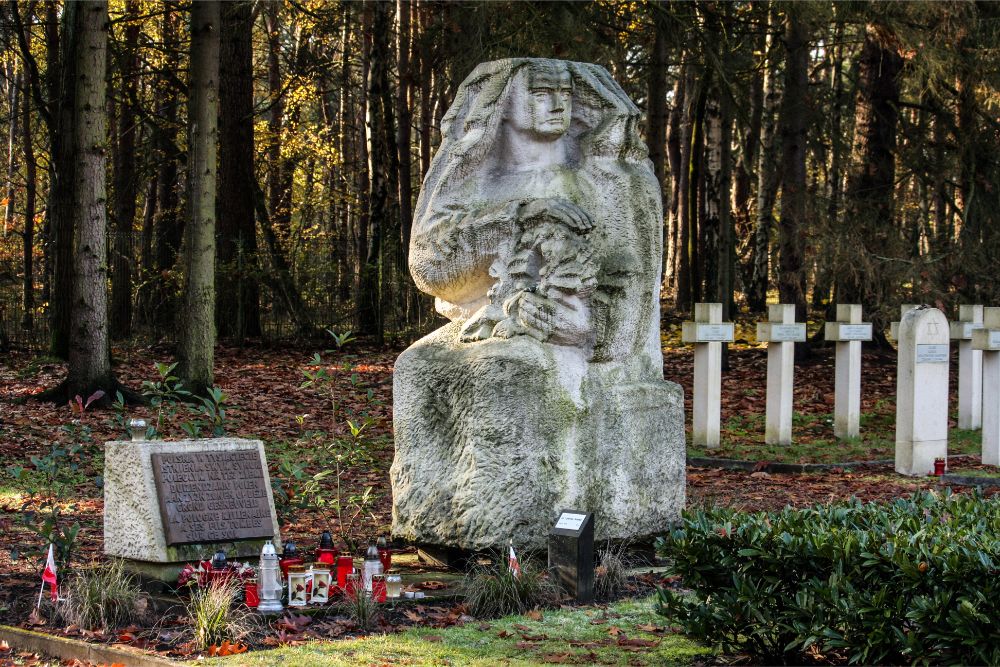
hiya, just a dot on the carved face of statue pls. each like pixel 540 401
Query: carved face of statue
pixel 543 110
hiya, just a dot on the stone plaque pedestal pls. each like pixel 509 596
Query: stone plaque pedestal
pixel 571 554
pixel 169 503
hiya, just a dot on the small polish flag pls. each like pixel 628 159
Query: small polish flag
pixel 512 563
pixel 49 577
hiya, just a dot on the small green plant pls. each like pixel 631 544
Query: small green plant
pixel 295 488
pixel 360 607
pixel 163 395
pixel 216 615
pixel 104 597
pixel 49 487
pixel 493 590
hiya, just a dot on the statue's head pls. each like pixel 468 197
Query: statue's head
pixel 541 104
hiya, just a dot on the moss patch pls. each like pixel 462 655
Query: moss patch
pixel 622 634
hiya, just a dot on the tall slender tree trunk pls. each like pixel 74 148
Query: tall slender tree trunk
pixel 62 66
pixel 403 128
pixel 237 307
pixel 683 296
pixel 126 183
pixel 30 195
pixel 89 352
pixel 348 207
pixel 14 98
pixel 196 350
pixel 792 127
pixel 379 124
pixel 674 159
pixel 869 195
pixel 767 174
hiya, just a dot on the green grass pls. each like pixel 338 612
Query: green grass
pixel 990 473
pixel 478 644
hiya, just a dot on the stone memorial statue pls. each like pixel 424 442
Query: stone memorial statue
pixel 538 231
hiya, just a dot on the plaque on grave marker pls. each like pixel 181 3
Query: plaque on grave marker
pixel 571 553
pixel 931 353
pixel 212 496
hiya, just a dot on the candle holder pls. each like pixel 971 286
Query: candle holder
pixel 320 593
pixel 250 593
pixel 269 585
pixel 384 553
pixel 352 585
pixel 345 566
pixel 378 587
pixel 298 581
pixel 137 428
pixel 326 553
pixel 393 586
pixel 939 467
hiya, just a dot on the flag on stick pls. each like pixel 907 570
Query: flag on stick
pixel 512 563
pixel 49 577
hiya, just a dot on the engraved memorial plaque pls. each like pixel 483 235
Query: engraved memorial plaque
pixel 931 353
pixel 212 496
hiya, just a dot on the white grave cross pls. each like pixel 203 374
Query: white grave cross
pixel 848 331
pixel 707 332
pixel 922 391
pixel 970 367
pixel 987 340
pixel 780 332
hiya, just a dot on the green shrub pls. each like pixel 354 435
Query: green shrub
pixel 492 590
pixel 104 598
pixel 915 580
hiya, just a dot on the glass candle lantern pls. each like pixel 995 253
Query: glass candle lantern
pixel 384 553
pixel 326 553
pixel 352 585
pixel 372 566
pixel 320 592
pixel 290 556
pixel 298 580
pixel 378 587
pixel 137 428
pixel 393 586
pixel 345 566
pixel 269 581
pixel 250 593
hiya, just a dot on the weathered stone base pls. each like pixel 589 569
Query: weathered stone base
pixel 494 438
pixel 133 528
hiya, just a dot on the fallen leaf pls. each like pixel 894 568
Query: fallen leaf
pixel 534 614
pixel 432 585
pixel 36 618
pixel 503 634
pixel 433 638
pixel 557 658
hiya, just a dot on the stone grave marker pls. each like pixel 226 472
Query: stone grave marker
pixel 168 503
pixel 707 332
pixel 970 367
pixel 571 553
pixel 987 340
pixel 903 310
pixel 780 332
pixel 848 332
pixel 922 391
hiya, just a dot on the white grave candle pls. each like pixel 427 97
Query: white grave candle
pixel 848 331
pixel 921 391
pixel 780 332
pixel 707 332
pixel 987 341
pixel 970 367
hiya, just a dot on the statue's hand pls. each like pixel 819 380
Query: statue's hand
pixel 557 210
pixel 550 320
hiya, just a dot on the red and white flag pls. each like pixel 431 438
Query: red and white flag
pixel 49 577
pixel 512 563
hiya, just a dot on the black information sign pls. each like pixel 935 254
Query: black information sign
pixel 217 496
pixel 571 553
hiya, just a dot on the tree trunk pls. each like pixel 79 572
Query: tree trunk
pixel 14 99
pixel 62 66
pixel 348 210
pixel 673 154
pixel 869 195
pixel 404 114
pixel 379 123
pixel 682 299
pixel 126 184
pixel 792 127
pixel 237 307
pixel 656 106
pixel 89 353
pixel 767 175
pixel 30 194
pixel 196 349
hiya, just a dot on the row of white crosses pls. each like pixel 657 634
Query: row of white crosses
pixel 922 377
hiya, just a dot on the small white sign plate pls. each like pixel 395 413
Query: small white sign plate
pixel 785 333
pixel 715 333
pixel 994 339
pixel 856 331
pixel 963 330
pixel 932 353
pixel 568 521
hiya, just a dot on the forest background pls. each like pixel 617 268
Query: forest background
pixel 248 170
